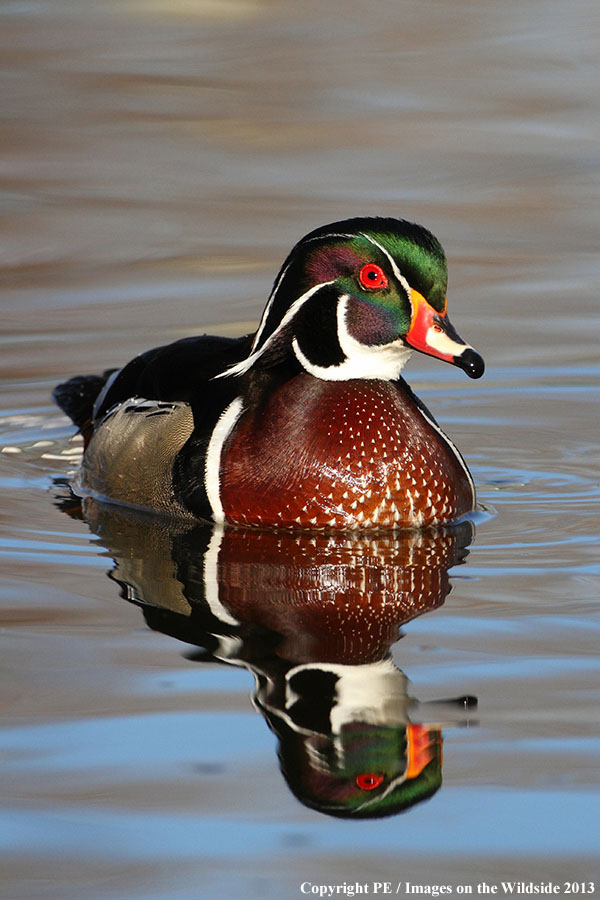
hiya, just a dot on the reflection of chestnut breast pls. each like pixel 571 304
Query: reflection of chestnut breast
pixel 335 597
pixel 313 617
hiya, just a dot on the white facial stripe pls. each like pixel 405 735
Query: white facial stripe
pixel 267 310
pixel 440 342
pixel 399 276
pixel 324 237
pixel 362 361
pixel 220 434
pixel 245 364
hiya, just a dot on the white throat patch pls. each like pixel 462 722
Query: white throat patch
pixel 383 361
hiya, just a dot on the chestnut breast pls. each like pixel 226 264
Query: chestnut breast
pixel 341 454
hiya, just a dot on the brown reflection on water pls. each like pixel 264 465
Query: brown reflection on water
pixel 313 618
pixel 138 136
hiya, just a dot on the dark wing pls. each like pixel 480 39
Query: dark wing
pixel 175 372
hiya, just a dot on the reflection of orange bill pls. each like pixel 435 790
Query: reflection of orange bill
pixel 423 745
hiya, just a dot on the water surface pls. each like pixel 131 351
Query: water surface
pixel 160 160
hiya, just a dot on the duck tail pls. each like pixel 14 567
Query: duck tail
pixel 76 398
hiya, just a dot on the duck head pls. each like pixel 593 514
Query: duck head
pixel 354 298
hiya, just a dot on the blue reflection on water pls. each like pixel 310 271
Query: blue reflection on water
pixel 526 820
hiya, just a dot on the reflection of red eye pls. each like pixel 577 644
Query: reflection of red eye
pixel 372 277
pixel 368 781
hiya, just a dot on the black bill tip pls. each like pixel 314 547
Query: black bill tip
pixel 471 363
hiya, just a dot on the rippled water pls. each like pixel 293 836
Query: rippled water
pixel 160 161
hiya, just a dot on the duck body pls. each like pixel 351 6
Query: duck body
pixel 308 422
pixel 392 469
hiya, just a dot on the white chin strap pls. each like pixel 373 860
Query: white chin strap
pixel 381 361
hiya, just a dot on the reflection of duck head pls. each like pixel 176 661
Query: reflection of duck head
pixel 347 747
pixel 313 617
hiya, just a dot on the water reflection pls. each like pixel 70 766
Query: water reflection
pixel 313 617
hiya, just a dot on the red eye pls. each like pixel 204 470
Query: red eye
pixel 368 781
pixel 372 277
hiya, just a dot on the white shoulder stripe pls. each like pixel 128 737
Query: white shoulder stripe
pixel 221 432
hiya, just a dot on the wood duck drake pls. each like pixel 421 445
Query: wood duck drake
pixel 305 424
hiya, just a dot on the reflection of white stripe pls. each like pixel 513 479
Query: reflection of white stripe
pixel 220 434
pixel 211 579
pixel 245 364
